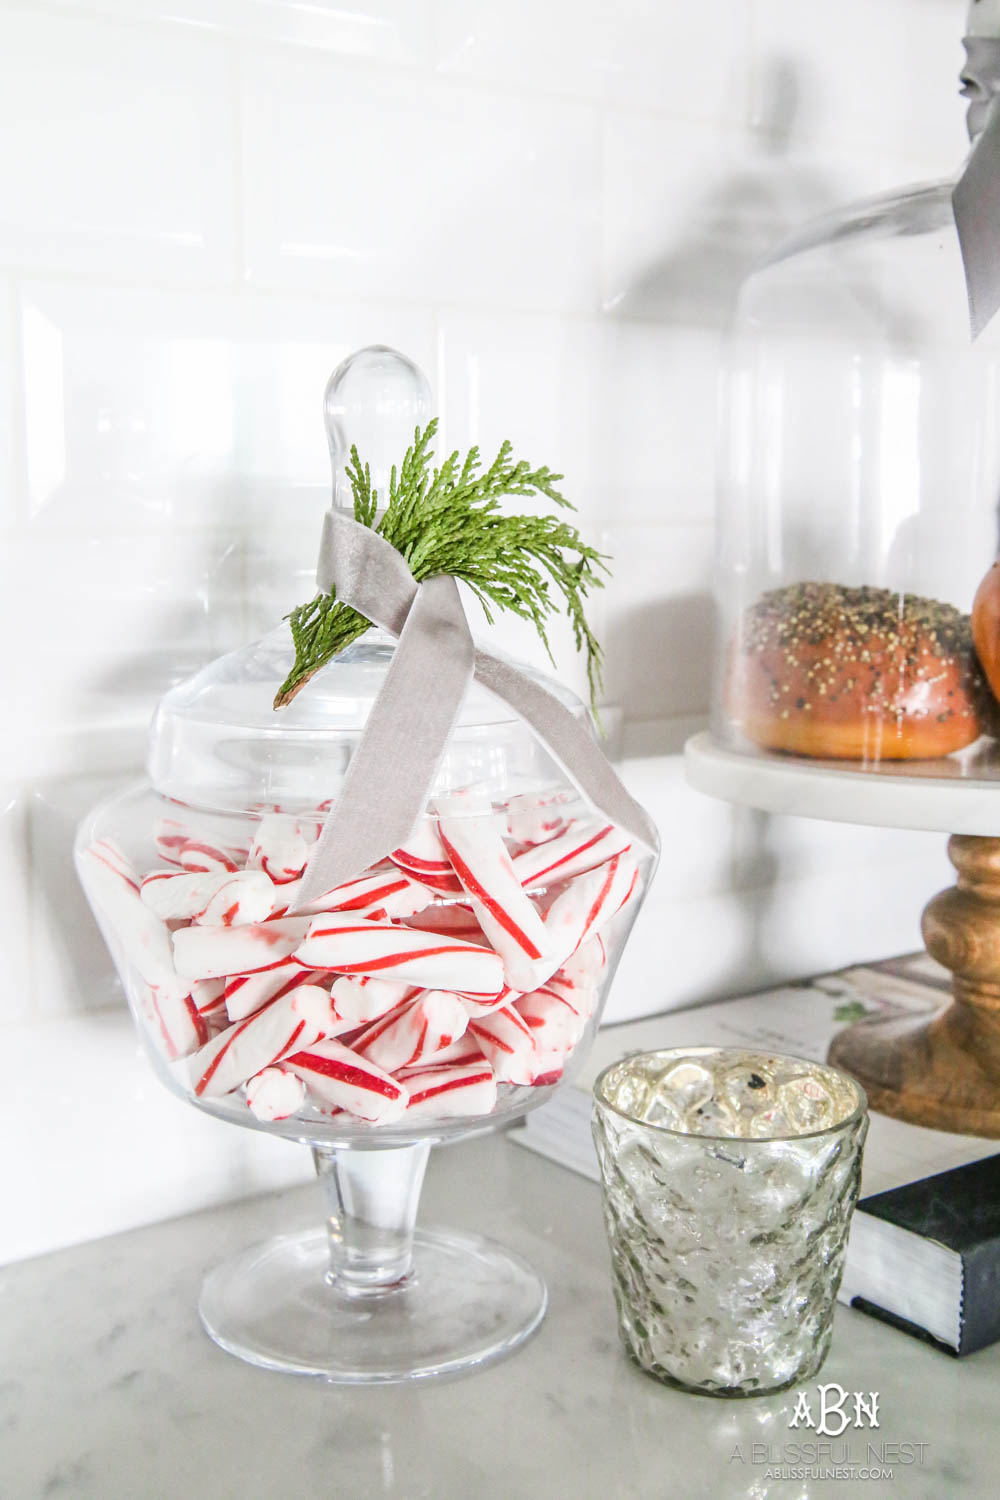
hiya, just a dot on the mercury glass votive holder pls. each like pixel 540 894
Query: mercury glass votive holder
pixel 729 1179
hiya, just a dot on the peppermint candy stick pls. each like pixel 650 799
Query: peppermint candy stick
pixel 452 917
pixel 177 896
pixel 424 857
pixel 465 1050
pixel 279 848
pixel 505 1039
pixel 555 1025
pixel 387 893
pixel 381 950
pixel 198 857
pixel 413 1032
pixel 245 993
pixel 284 1025
pixel 275 1094
pixel 476 1007
pixel 586 965
pixel 247 897
pixel 174 1020
pixel 339 1077
pixel 182 844
pixel 450 1092
pixel 362 1000
pixel 582 998
pixel 536 817
pixel 143 938
pixel 589 902
pixel 209 996
pixel 506 915
pixel 215 952
pixel 584 848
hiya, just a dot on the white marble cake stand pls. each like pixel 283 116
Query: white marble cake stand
pixel 944 1072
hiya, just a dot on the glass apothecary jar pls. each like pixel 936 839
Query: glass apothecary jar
pixel 859 488
pixel 446 988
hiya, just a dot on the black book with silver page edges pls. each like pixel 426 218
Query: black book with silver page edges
pixel 926 1257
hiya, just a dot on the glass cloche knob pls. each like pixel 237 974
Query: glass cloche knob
pixel 374 399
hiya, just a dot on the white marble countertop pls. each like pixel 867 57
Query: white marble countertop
pixel 109 1390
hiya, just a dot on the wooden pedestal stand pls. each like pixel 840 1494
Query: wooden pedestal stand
pixel 943 1072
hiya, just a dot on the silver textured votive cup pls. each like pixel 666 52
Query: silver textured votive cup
pixel 729 1179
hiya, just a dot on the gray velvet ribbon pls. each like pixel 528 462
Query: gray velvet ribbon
pixel 390 776
pixel 976 197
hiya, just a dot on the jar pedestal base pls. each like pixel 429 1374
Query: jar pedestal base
pixel 466 1301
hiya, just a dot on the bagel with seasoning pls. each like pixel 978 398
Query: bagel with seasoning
pixel 867 674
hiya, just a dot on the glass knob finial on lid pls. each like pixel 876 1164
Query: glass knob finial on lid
pixel 373 401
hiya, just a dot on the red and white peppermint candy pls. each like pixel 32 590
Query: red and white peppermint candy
pixel 198 857
pixel 413 1032
pixel 283 1025
pixel 381 950
pixel 456 918
pixel 179 896
pixel 450 1091
pixel 465 1050
pixel 245 993
pixel 555 1025
pixel 384 893
pixel 589 902
pixel 275 1094
pixel 586 965
pixel 536 817
pixel 506 1040
pixel 209 996
pixel 338 1076
pixel 174 1020
pixel 585 847
pixel 279 848
pixel 506 915
pixel 248 896
pixel 142 937
pixel 423 856
pixel 215 952
pixel 362 1000
pixel 579 997
pixel 483 1006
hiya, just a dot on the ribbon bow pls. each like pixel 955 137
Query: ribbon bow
pixel 434 662
pixel 976 196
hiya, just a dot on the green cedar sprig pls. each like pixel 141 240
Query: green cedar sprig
pixel 448 520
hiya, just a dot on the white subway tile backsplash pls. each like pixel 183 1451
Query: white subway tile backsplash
pixel 16 987
pixel 71 968
pixel 391 31
pixel 658 636
pixel 658 421
pixel 362 183
pixel 540 381
pixel 154 409
pixel 138 1153
pixel 686 60
pixel 114 621
pixel 883 74
pixel 8 398
pixel 115 149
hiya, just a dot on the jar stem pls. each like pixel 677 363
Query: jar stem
pixel 371 1204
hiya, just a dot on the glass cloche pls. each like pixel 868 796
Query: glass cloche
pixel 859 489
pixel 448 988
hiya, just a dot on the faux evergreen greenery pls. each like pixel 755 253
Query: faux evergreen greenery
pixel 448 520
